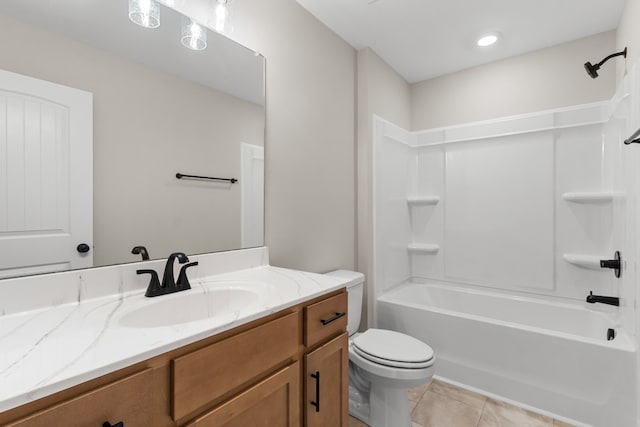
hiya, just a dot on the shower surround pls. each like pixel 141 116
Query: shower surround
pixel 510 218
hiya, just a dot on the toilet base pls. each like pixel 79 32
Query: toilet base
pixel 386 407
pixel 358 404
pixel 389 407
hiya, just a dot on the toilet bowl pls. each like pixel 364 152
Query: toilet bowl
pixel 383 366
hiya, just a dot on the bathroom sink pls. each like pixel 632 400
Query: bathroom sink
pixel 189 306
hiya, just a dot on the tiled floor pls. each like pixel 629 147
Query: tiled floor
pixel 439 404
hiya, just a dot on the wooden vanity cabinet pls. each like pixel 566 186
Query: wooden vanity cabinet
pixel 130 401
pixel 203 377
pixel 327 384
pixel 274 402
pixel 258 374
pixel 326 363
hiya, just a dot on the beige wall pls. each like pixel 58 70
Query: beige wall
pixel 148 125
pixel 310 151
pixel 381 91
pixel 628 35
pixel 548 78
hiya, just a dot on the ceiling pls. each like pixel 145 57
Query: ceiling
pixel 422 39
pixel 225 65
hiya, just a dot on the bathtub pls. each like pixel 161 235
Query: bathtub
pixel 546 355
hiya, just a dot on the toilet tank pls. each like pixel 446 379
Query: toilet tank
pixel 355 287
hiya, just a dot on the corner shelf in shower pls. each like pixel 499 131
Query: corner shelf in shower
pixel 590 197
pixel 423 248
pixel 423 201
pixel 590 262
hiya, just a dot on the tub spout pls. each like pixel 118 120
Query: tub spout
pixel 592 299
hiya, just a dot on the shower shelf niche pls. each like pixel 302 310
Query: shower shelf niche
pixel 590 197
pixel 423 201
pixel 591 262
pixel 423 248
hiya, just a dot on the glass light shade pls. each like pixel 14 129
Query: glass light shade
pixel 145 13
pixel 221 16
pixel 194 36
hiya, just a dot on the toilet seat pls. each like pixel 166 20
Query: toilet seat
pixel 393 349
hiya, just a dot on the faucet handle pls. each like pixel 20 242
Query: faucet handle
pixel 183 280
pixel 154 289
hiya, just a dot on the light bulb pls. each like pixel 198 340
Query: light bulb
pixel 145 13
pixel 221 20
pixel 487 40
pixel 194 36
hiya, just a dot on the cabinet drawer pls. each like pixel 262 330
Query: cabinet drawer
pixel 273 402
pixel 201 377
pixel 130 400
pixel 324 319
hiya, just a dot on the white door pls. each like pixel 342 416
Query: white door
pixel 46 176
pixel 252 184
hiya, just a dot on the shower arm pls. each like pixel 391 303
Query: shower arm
pixel 613 55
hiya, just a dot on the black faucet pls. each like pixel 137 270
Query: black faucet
pixel 168 281
pixel 141 250
pixel 592 299
pixel 168 285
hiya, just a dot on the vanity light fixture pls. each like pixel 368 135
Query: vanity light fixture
pixel 194 36
pixel 145 13
pixel 487 40
pixel 221 19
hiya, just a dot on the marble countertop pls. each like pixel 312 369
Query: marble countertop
pixel 48 349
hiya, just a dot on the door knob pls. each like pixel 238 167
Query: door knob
pixel 83 248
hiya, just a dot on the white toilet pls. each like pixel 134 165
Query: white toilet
pixel 383 365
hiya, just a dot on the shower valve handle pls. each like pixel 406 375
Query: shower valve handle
pixel 610 263
pixel 614 264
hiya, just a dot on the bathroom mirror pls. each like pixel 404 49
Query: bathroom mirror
pixel 99 114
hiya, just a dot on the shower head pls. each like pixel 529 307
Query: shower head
pixel 592 69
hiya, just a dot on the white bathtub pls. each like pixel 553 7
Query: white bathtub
pixel 551 356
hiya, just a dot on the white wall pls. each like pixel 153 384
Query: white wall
pixel 502 186
pixel 383 92
pixel 548 78
pixel 148 125
pixel 310 153
pixel 628 35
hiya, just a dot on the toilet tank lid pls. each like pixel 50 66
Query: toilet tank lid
pixel 352 278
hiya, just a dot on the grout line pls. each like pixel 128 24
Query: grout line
pixel 482 411
pixel 457 400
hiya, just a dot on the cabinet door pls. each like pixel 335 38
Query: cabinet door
pixel 274 402
pixel 131 400
pixel 327 384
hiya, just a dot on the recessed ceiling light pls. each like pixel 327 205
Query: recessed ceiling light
pixel 487 40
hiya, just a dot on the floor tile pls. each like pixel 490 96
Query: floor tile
pixel 501 414
pixel 558 423
pixel 354 422
pixel 465 396
pixel 416 393
pixel 437 410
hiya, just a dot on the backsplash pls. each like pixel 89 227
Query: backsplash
pixel 46 290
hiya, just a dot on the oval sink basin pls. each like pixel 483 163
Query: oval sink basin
pixel 188 307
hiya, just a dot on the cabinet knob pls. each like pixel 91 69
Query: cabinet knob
pixel 108 424
pixel 83 248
